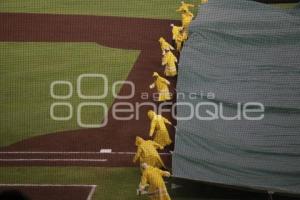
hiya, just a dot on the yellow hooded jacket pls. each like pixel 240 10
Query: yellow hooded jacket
pixel 185 7
pixel 147 153
pixel 176 31
pixel 162 86
pixel 165 46
pixel 154 178
pixel 180 38
pixel 170 60
pixel 158 125
pixel 186 18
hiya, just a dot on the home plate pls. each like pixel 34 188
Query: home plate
pixel 105 151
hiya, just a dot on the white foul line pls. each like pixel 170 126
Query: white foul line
pixel 91 193
pixel 131 153
pixel 47 185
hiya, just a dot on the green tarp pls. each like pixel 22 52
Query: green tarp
pixel 240 52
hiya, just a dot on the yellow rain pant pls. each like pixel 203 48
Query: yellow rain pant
pixel 147 153
pixel 169 60
pixel 157 189
pixel 158 127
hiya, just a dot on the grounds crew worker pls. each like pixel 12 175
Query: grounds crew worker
pixel 153 184
pixel 186 15
pixel 162 86
pixel 179 36
pixel 165 46
pixel 186 19
pixel 147 152
pixel 169 60
pixel 158 126
pixel 176 30
pixel 180 39
pixel 185 7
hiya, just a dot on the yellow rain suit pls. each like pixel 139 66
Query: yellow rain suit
pixel 179 35
pixel 162 86
pixel 158 125
pixel 147 153
pixel 165 46
pixel 176 30
pixel 184 36
pixel 185 7
pixel 186 19
pixel 153 177
pixel 179 40
pixel 169 60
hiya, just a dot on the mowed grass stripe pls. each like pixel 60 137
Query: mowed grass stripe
pixel 27 71
pixel 112 183
pixel 155 9
pixel 130 8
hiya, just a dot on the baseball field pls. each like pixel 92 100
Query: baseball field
pixel 57 58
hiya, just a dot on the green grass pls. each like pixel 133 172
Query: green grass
pixel 286 5
pixel 27 71
pixel 129 8
pixel 156 9
pixel 112 183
